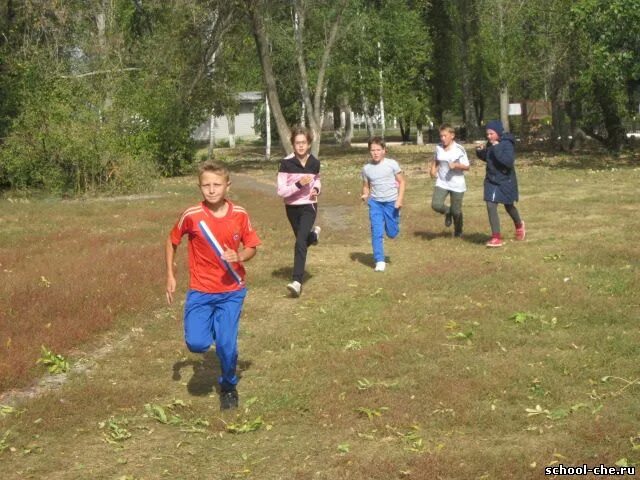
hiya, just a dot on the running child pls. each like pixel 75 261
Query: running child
pixel 448 167
pixel 299 186
pixel 383 186
pixel 216 229
pixel 500 182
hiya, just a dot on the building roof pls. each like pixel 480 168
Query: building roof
pixel 250 96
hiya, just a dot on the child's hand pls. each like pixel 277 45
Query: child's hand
pixel 306 180
pixel 230 255
pixel 398 203
pixel 171 289
pixel 364 197
pixel 313 196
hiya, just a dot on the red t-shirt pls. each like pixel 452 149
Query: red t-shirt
pixel 208 237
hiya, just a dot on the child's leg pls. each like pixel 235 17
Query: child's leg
pixel 198 321
pixel 494 219
pixel 376 217
pixel 301 218
pixel 437 200
pixel 456 211
pixel 513 213
pixel 226 320
pixel 391 219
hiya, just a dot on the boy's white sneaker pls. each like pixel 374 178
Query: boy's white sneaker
pixel 294 288
pixel 316 230
pixel 380 266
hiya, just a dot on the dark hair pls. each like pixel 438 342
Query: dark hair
pixel 377 141
pixel 299 130
pixel 213 167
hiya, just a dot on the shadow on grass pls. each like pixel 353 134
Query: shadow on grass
pixel 205 373
pixel 476 238
pixel 364 258
pixel 431 235
pixel 286 272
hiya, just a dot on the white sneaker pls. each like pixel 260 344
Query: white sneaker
pixel 295 288
pixel 380 266
pixel 316 230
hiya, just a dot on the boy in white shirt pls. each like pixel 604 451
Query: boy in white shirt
pixel 448 167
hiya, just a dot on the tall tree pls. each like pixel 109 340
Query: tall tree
pixel 327 19
pixel 610 31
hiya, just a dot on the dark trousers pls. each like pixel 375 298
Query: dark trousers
pixel 494 219
pixel 301 218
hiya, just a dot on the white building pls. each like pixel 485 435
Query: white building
pixel 244 121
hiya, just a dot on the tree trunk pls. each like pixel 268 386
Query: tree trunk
pixel 348 125
pixel 504 107
pixel 262 44
pixel 382 119
pixel 405 129
pixel 558 124
pixel 231 121
pixel 419 135
pixel 267 149
pixel 212 136
pixel 469 28
pixel 616 134
pixel 337 124
pixel 315 109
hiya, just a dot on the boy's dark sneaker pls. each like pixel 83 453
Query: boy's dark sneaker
pixel 229 399
pixel 448 219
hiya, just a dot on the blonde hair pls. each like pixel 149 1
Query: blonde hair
pixel 213 167
pixel 448 128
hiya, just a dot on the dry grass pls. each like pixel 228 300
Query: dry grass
pixel 421 372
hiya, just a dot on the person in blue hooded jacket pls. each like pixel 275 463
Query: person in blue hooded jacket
pixel 500 182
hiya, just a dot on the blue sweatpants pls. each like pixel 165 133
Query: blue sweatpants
pixel 215 317
pixel 385 218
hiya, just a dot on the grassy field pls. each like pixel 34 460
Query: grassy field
pixel 458 362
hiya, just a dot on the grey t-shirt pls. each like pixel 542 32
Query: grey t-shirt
pixel 382 179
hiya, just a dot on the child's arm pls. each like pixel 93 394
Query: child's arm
pixel 401 186
pixel 366 189
pixel 481 152
pixel 461 163
pixel 243 255
pixel 315 188
pixel 170 253
pixel 433 168
pixel 505 153
pixel 285 190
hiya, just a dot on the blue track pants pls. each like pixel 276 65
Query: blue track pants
pixel 215 317
pixel 385 218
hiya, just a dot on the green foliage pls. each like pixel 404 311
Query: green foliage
pixel 246 426
pixel 115 430
pixel 55 363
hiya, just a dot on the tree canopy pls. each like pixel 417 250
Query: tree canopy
pixel 98 95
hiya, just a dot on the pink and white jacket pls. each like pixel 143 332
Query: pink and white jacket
pixel 290 173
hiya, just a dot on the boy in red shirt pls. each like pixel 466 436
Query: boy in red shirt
pixel 216 228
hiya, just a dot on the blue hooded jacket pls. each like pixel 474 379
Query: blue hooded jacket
pixel 500 182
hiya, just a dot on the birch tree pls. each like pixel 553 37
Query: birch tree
pixel 318 45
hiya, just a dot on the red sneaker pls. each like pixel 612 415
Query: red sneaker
pixel 520 232
pixel 496 241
